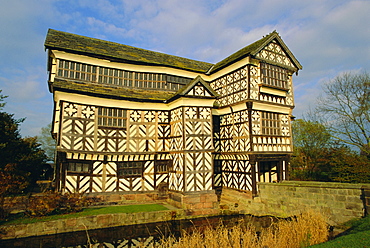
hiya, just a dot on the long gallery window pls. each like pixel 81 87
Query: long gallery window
pixel 274 76
pixel 270 123
pixel 112 117
pixel 74 70
pixel 104 75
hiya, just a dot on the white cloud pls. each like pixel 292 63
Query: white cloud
pixel 25 85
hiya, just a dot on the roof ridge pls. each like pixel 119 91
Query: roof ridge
pixel 241 53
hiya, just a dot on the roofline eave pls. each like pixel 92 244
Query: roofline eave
pixel 136 99
pixel 120 60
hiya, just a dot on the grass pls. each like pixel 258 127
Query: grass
pixel 358 235
pixel 307 229
pixel 19 219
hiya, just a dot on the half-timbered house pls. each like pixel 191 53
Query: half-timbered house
pixel 132 120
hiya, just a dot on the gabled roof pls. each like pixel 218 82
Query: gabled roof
pixel 63 41
pixel 252 50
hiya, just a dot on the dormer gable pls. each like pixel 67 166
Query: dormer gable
pixel 197 88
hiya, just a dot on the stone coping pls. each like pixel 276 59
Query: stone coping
pixel 320 184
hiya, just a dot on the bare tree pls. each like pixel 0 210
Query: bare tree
pixel 48 144
pixel 344 109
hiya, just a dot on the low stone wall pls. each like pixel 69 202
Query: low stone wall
pixel 339 202
pixel 87 223
pixel 192 205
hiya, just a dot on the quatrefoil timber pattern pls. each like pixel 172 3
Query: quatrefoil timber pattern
pixel 232 88
pixel 144 131
pixel 198 90
pixel 273 52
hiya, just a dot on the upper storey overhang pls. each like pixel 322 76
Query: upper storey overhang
pixel 197 88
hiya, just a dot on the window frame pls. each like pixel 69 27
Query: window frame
pixel 274 76
pixel 217 166
pixel 76 70
pixel 163 166
pixel 270 124
pixel 117 77
pixel 84 164
pixel 135 167
pixel 112 117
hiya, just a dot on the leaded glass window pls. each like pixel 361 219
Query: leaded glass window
pixel 270 123
pixel 274 76
pixel 130 168
pixel 163 166
pixel 113 76
pixel 75 70
pixel 78 166
pixel 112 117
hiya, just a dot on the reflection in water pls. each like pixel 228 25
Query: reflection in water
pixel 143 235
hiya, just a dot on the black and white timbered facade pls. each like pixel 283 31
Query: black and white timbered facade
pixel 133 120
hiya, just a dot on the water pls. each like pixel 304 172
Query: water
pixel 143 235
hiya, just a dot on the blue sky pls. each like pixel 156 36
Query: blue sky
pixel 328 37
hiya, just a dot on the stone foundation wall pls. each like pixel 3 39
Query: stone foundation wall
pixel 197 203
pixel 340 202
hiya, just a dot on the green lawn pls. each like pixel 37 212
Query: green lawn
pixel 357 236
pixel 90 211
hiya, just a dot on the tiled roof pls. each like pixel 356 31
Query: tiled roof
pixel 122 53
pixel 117 52
pixel 242 53
pixel 111 91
